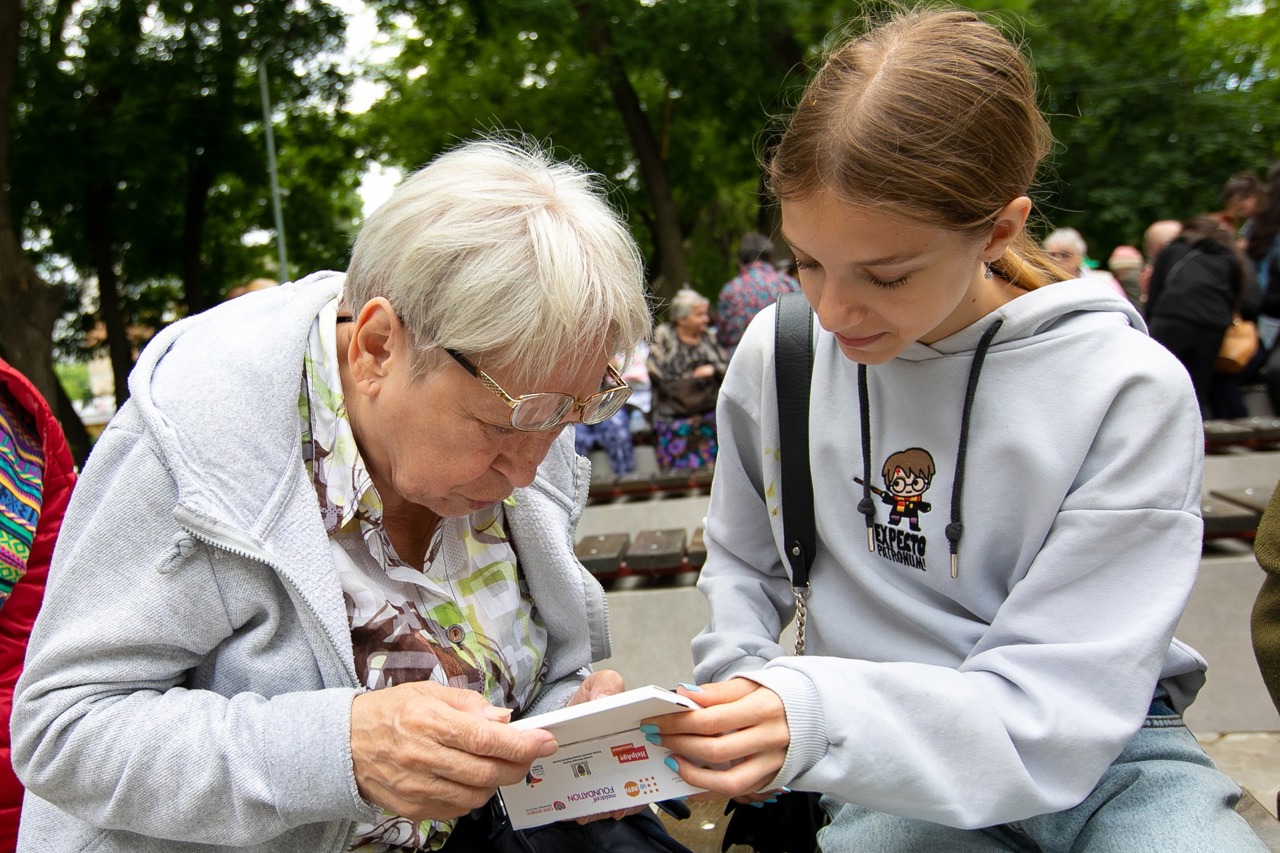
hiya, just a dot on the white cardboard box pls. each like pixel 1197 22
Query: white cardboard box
pixel 604 762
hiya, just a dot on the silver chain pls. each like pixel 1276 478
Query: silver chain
pixel 802 595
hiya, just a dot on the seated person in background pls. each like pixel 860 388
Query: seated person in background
pixel 323 554
pixel 686 366
pixel 612 435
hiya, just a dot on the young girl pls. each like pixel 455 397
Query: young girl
pixel 1006 474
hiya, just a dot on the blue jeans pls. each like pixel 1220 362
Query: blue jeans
pixel 1162 795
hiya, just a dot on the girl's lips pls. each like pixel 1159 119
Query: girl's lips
pixel 858 343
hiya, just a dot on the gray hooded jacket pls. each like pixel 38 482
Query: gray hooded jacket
pixel 189 680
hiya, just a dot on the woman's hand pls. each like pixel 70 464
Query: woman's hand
pixel 735 744
pixel 703 370
pixel 423 750
pixel 606 682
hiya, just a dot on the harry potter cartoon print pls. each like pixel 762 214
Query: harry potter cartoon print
pixel 907 475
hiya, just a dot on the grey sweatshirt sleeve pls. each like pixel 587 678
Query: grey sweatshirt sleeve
pixel 107 723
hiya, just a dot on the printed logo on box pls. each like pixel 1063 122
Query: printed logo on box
pixel 581 769
pixel 595 795
pixel 629 752
pixel 559 806
pixel 534 776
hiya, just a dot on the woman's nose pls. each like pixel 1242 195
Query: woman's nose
pixel 519 462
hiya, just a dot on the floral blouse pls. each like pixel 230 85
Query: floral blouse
pixel 464 618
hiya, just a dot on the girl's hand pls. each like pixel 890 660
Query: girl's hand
pixel 734 745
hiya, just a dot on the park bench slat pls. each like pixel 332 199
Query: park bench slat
pixel 1221 433
pixel 1250 497
pixel 656 551
pixel 1224 518
pixel 697 553
pixel 602 554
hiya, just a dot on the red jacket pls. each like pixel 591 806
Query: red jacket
pixel 19 612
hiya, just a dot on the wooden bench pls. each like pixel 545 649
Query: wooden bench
pixel 1225 519
pixel 602 555
pixel 656 552
pixel 1220 435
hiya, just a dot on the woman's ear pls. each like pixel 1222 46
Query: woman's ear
pixel 1010 222
pixel 376 337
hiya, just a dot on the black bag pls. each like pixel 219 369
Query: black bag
pixel 791 824
pixel 689 396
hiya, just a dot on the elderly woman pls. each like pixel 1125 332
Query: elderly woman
pixel 323 554
pixel 686 366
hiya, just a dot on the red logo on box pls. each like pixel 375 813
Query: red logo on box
pixel 629 752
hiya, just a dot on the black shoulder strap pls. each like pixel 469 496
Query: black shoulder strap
pixel 793 365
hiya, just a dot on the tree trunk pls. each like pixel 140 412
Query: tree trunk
pixel 29 306
pixel 98 197
pixel 673 270
pixel 199 182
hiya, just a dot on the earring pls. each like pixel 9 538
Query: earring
pixel 986 272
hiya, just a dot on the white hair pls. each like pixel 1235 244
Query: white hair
pixel 497 250
pixel 685 301
pixel 1067 238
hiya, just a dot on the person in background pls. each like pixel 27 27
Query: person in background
pixel 612 435
pixel 1240 196
pixel 686 366
pixel 1000 673
pixel 36 479
pixel 1126 265
pixel 1158 235
pixel 1068 249
pixel 1200 281
pixel 1263 250
pixel 324 553
pixel 758 283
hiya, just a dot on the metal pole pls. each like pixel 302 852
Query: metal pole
pixel 271 170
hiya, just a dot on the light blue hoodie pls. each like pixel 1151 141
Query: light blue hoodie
pixel 1006 691
pixel 190 677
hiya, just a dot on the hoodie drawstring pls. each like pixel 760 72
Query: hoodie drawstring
pixel 954 528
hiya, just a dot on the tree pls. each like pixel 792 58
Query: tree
pixel 1154 104
pixel 667 99
pixel 152 112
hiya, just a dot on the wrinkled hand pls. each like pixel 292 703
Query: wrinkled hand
pixel 734 745
pixel 423 750
pixel 605 682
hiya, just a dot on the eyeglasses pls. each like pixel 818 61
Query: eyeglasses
pixel 536 412
pixel 1060 256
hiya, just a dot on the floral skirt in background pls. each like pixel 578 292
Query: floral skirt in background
pixel 685 442
pixel 614 435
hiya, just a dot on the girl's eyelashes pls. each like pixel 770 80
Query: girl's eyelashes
pixel 802 265
pixel 897 282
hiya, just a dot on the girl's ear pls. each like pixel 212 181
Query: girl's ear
pixel 1009 223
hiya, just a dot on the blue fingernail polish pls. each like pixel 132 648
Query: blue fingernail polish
pixel 786 790
pixel 772 800
pixel 757 805
pixel 652 738
pixel 671 762
pixel 649 728
pixel 692 688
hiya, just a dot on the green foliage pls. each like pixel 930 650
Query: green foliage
pixel 1154 104
pixel 137 144
pixel 74 376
